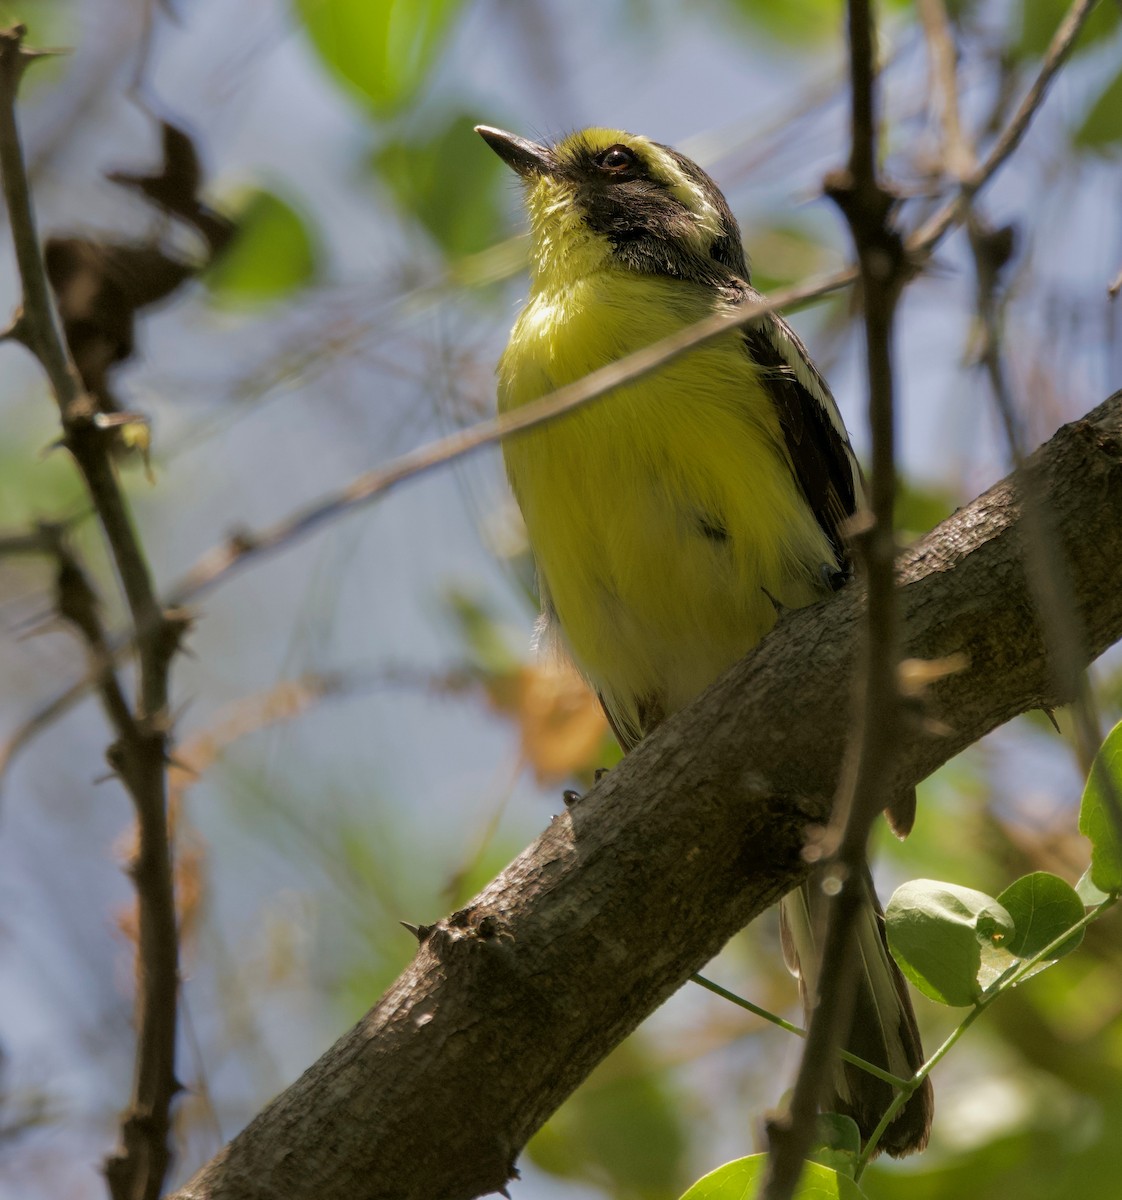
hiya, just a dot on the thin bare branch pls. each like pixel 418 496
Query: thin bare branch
pixel 215 565
pixel 1062 44
pixel 218 564
pixel 958 157
pixel 864 787
pixel 138 755
pixel 991 250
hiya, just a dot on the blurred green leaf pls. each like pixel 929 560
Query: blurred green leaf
pixel 1102 126
pixel 801 23
pixel 34 485
pixel 382 48
pixel 1041 18
pixel 1065 1153
pixel 622 1130
pixel 741 1179
pixel 837 1143
pixel 450 182
pixel 50 23
pixel 271 255
pixel 1090 895
pixel 920 507
pixel 1097 815
pixel 787 251
pixel 937 932
pixel 1042 906
pixel 795 21
pixel 486 644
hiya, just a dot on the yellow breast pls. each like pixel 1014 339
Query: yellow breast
pixel 663 516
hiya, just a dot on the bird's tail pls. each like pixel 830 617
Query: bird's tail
pixel 883 1030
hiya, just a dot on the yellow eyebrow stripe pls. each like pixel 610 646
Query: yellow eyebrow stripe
pixel 662 167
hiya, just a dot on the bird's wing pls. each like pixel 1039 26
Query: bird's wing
pixel 821 456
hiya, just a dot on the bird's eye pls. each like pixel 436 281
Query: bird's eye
pixel 617 159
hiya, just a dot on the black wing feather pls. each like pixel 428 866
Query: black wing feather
pixel 821 457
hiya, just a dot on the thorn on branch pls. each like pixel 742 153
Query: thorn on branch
pixel 76 599
pixel 116 758
pixel 420 932
pixel 17 330
pixel 14 55
pixel 175 624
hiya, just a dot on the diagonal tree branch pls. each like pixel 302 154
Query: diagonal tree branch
pixel 514 999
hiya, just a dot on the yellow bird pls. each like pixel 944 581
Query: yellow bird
pixel 669 520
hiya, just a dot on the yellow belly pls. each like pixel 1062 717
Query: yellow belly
pixel 665 515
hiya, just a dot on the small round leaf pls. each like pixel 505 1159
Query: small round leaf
pixel 271 255
pixel 1099 818
pixel 1042 906
pixel 943 936
pixel 741 1180
pixel 837 1143
pixel 383 50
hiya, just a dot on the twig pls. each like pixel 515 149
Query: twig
pixel 957 156
pixel 215 566
pixel 222 560
pixel 137 1169
pixel 43 539
pixel 48 712
pixel 1048 573
pixel 1063 41
pixel 864 788
pixel 791 1027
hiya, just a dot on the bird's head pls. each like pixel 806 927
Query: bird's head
pixel 602 198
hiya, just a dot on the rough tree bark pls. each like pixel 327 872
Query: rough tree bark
pixel 512 1001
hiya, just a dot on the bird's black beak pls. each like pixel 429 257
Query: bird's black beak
pixel 527 158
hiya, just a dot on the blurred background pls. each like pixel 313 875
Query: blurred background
pixel 364 732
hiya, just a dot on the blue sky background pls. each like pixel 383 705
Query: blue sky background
pixel 317 834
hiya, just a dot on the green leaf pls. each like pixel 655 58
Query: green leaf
pixel 1098 815
pixel 801 23
pixel 795 21
pixel 451 182
pixel 788 250
pixel 49 23
pixel 1085 889
pixel 484 640
pixel 1041 18
pixel 1042 906
pixel 837 1143
pixel 947 939
pixel 921 507
pixel 622 1130
pixel 33 483
pixel 271 255
pixel 1102 126
pixel 383 49
pixel 741 1179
